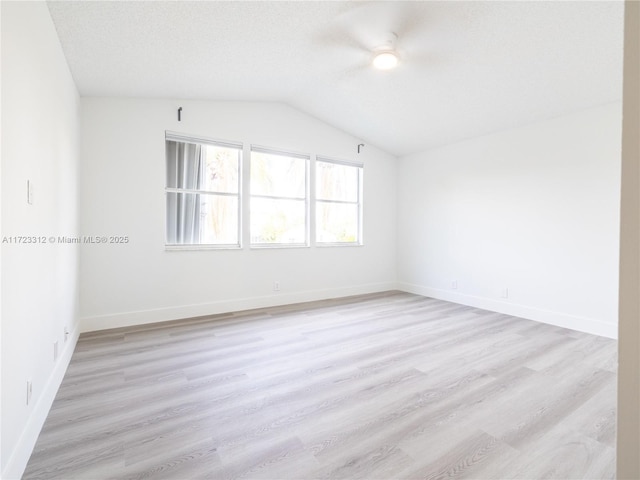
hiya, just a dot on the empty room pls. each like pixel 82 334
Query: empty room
pixel 320 239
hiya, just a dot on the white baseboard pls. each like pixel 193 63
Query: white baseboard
pixel 141 317
pixel 22 451
pixel 573 322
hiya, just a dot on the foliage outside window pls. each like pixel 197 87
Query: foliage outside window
pixel 338 202
pixel 279 192
pixel 202 192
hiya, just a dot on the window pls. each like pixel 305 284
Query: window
pixel 205 203
pixel 202 192
pixel 279 195
pixel 338 202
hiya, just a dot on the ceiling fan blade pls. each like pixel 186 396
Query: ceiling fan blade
pixel 424 59
pixel 339 37
pixel 412 21
pixel 355 72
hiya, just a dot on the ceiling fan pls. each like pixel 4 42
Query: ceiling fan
pixel 379 34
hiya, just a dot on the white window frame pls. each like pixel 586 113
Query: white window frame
pixel 284 153
pixel 358 202
pixel 183 138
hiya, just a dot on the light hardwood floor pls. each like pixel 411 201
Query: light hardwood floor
pixel 379 386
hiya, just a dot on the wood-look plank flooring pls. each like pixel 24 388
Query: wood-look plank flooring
pixel 383 386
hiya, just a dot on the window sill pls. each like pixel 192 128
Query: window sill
pixel 269 246
pixel 182 248
pixel 350 245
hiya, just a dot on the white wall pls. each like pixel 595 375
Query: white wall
pixel 123 179
pixel 40 126
pixel 534 210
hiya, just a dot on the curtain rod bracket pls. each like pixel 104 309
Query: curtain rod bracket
pixel 180 114
pixel 360 145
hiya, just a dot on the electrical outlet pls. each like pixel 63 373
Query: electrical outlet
pixel 454 284
pixel 29 192
pixel 55 350
pixel 29 391
pixel 276 286
pixel 505 293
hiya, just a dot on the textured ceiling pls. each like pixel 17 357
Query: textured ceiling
pixel 468 68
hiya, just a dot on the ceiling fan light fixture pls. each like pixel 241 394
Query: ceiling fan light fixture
pixel 386 60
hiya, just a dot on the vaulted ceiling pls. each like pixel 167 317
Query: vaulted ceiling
pixel 467 68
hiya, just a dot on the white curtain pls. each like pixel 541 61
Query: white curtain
pixel 185 169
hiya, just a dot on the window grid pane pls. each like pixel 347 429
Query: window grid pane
pixel 336 182
pixel 278 175
pixel 278 184
pixel 202 194
pixel 277 221
pixel 336 223
pixel 338 203
pixel 221 169
pixel 214 221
